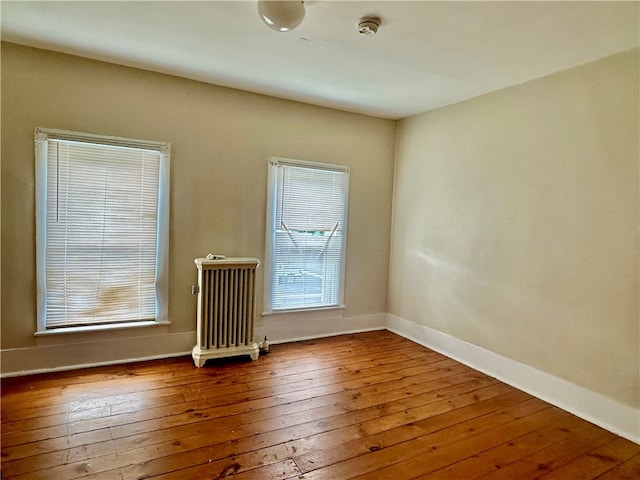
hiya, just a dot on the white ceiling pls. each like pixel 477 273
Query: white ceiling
pixel 425 55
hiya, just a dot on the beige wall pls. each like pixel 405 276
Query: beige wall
pixel 220 138
pixel 515 224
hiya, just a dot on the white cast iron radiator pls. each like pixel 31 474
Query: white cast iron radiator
pixel 226 308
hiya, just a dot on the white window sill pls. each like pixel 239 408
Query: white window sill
pixel 99 328
pixel 302 310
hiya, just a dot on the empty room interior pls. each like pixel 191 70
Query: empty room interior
pixel 385 240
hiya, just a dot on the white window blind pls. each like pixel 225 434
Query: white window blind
pixel 102 227
pixel 306 235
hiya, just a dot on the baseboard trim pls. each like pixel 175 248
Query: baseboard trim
pixel 618 418
pixel 294 327
pixel 65 368
pixel 71 356
pixel 334 334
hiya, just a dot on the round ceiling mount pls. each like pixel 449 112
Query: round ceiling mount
pixel 281 16
pixel 369 26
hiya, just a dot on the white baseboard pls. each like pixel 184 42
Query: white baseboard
pixel 71 356
pixel 594 407
pixel 292 327
pixel 83 351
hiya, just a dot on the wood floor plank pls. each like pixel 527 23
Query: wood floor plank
pixel 382 433
pixel 372 405
pixel 553 456
pixel 596 462
pixel 426 379
pixel 405 459
pixel 276 471
pixel 629 470
pixel 498 457
pixel 302 446
pixel 16 438
pixel 447 453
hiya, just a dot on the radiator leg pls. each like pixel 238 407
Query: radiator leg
pixel 198 358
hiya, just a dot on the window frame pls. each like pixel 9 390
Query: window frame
pixel 274 162
pixel 42 136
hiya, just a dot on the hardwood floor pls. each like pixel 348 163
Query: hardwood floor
pixel 365 406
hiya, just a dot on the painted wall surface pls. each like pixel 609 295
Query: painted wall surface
pixel 221 139
pixel 515 224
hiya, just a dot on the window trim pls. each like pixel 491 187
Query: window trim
pixel 269 234
pixel 42 135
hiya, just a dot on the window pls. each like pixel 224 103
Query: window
pixel 102 230
pixel 306 235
